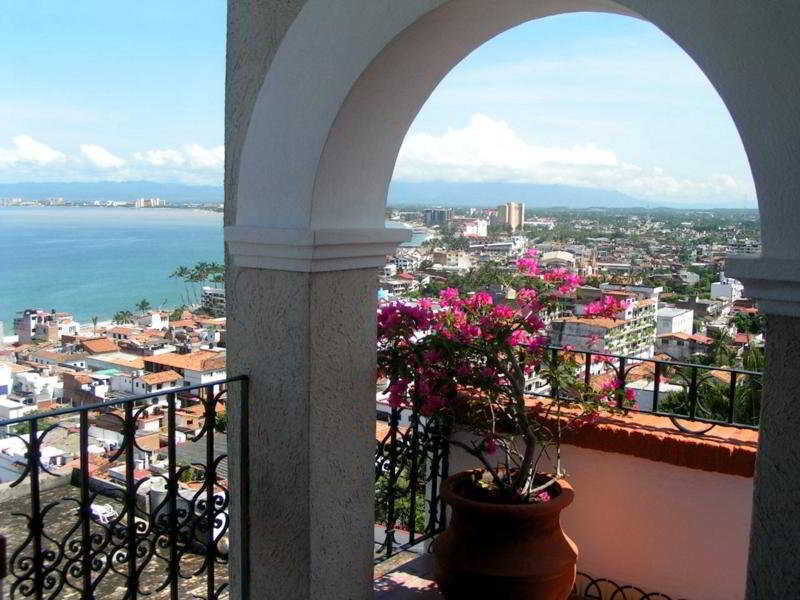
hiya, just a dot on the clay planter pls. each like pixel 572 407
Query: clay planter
pixel 504 551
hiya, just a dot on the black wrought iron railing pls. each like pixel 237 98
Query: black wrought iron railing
pixel 695 397
pixel 411 459
pixel 123 499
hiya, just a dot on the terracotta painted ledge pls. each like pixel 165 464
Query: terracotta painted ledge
pixel 723 449
pixel 410 578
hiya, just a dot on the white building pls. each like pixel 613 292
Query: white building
pixel 14 452
pixel 6 380
pixel 473 227
pixel 11 409
pixel 675 320
pixel 41 388
pixel 726 288
pixel 152 320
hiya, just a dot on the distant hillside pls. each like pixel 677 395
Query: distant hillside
pixel 400 193
pixel 492 194
pixel 114 190
pixel 536 196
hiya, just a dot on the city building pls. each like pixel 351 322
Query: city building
pixel 35 324
pixel 683 346
pixel 470 227
pixel 726 288
pixel 511 214
pixel 452 259
pixel 675 320
pixel 201 366
pixel 213 301
pixel 149 203
pixel 437 216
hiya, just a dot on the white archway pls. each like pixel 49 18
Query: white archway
pixel 306 190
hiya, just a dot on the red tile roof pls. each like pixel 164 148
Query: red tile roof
pixel 99 345
pixel 161 377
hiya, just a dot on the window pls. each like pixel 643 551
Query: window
pixel 382 415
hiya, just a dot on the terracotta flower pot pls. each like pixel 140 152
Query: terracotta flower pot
pixel 504 551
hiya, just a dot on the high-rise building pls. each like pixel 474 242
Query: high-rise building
pixel 511 214
pixel 438 216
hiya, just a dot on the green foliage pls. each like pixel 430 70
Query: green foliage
pixel 176 314
pixel 481 277
pixel 123 317
pixel 143 305
pixel 747 323
pixel 402 502
pixel 192 474
pixel 221 422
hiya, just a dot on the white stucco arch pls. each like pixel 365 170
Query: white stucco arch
pixel 309 157
pixel 346 83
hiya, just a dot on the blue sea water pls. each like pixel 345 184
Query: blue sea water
pixel 97 261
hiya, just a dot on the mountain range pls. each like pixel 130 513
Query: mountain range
pixel 401 193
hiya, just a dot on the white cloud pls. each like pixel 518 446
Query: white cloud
pixel 205 158
pixel 100 157
pixel 193 156
pixel 160 158
pixel 487 149
pixel 28 150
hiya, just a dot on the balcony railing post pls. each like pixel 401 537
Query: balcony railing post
pixel 693 394
pixel 413 475
pixel 85 508
pixel 244 487
pixel 587 372
pixel 210 480
pixel 130 500
pixel 36 523
pixel 656 385
pixel 172 491
pixel 732 398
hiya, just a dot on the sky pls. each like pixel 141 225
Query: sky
pixel 98 90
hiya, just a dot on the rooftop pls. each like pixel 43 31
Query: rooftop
pixel 201 360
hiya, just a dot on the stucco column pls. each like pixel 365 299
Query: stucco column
pixel 775 532
pixel 301 325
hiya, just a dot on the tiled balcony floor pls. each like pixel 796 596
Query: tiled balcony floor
pixel 407 577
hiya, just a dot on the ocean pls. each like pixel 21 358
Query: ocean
pixel 97 261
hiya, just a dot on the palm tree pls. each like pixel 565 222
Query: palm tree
pixel 123 316
pixel 183 273
pixel 94 325
pixel 143 305
pixel 721 351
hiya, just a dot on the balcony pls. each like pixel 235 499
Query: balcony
pixel 76 520
pixel 644 483
pixel 118 500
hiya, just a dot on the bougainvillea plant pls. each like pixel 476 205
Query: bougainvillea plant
pixel 465 360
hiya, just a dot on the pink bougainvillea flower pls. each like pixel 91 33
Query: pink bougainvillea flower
pixel 526 295
pixel 503 311
pixel 528 266
pixel 480 299
pixel 449 295
pixel 519 337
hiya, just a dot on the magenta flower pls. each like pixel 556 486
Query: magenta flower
pixel 503 311
pixel 449 295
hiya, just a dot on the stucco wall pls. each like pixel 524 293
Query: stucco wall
pixel 319 97
pixel 663 528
